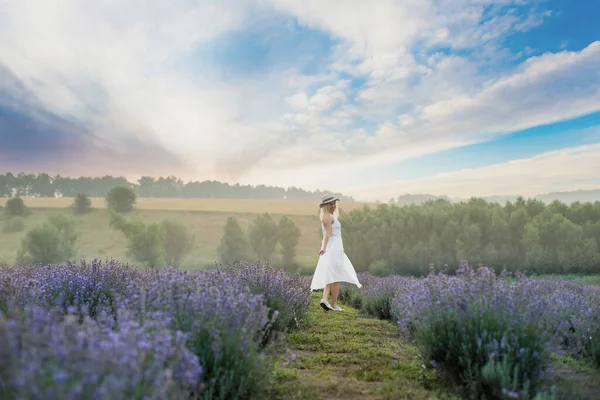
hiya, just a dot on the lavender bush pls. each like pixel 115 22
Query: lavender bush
pixel 286 294
pixel 491 334
pixel 225 321
pixel 352 295
pixel 177 334
pixel 577 307
pixel 376 296
pixel 50 355
pixel 91 287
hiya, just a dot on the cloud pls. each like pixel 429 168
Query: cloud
pixel 404 78
pixel 545 89
pixel 111 67
pixel 49 143
pixel 563 170
pixel 33 140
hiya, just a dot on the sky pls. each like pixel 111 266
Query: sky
pixel 373 99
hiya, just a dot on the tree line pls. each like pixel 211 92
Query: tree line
pixel 44 185
pixel 525 235
pixel 152 244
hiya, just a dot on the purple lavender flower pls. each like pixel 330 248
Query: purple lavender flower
pixel 85 360
pixel 196 332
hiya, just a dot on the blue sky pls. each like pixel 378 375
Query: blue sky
pixel 455 97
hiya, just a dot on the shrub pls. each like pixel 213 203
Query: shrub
pixel 91 288
pixel 121 199
pixel 81 359
pixel 15 207
pixel 225 324
pixel 15 224
pixel 594 347
pixel 150 243
pixel 234 245
pixel 286 294
pixel 380 268
pixel 379 293
pixel 487 334
pixel 81 204
pixel 177 242
pixel 576 316
pixel 140 322
pixel 51 242
pixel 145 242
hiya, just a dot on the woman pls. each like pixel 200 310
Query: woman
pixel 333 266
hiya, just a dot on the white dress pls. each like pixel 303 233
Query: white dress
pixel 334 265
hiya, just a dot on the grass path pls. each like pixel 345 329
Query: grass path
pixel 346 355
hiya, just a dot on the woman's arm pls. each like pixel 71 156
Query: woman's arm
pixel 327 221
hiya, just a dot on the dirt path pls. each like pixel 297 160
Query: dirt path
pixel 346 355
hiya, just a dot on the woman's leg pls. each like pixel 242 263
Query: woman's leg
pixel 326 292
pixel 335 291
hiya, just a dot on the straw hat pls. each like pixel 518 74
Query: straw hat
pixel 328 198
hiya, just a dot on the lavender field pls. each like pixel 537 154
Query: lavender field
pixel 97 330
pixel 104 330
pixel 494 336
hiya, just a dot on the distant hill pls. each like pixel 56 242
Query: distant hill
pixel 500 199
pixel 565 197
pixel 571 197
pixel 407 199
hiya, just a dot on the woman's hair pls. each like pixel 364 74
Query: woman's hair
pixel 326 209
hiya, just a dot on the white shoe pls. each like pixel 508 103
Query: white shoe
pixel 325 304
pixel 337 308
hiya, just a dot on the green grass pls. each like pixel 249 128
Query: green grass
pixel 590 279
pixel 574 379
pixel 97 240
pixel 347 355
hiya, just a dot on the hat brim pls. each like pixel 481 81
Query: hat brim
pixel 329 201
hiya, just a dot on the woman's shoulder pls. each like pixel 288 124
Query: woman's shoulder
pixel 327 219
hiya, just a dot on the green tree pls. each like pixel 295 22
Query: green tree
pixel 490 256
pixel 178 241
pixel 471 244
pixel 289 236
pixel 234 244
pixel 121 199
pixel 380 268
pixel 263 236
pixel 145 242
pixel 435 249
pixel 15 207
pixel 534 251
pixel 81 204
pixel 51 242
pixel 524 234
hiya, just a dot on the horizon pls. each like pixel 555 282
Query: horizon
pixel 460 98
pixel 319 191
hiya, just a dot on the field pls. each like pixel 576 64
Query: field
pixel 204 217
pixel 106 330
pixel 253 331
pixel 288 207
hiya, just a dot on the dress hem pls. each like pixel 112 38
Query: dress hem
pixel 312 288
